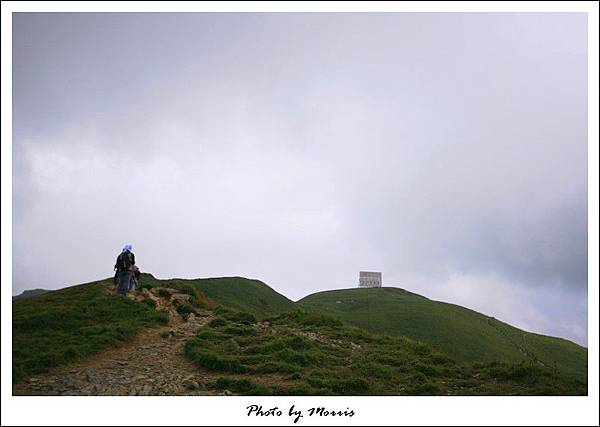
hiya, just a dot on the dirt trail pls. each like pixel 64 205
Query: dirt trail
pixel 152 363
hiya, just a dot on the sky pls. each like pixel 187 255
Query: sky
pixel 448 151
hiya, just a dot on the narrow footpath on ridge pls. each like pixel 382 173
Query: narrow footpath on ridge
pixel 152 363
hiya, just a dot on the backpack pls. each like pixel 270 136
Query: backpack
pixel 125 261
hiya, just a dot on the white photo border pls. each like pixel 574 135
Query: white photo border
pixel 232 410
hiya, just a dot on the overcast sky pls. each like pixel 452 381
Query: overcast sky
pixel 448 151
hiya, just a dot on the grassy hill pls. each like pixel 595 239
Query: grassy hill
pixel 463 334
pixel 55 328
pixel 371 341
pixel 302 353
pixel 30 293
pixel 252 296
pixel 59 327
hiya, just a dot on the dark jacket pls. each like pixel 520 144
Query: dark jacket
pixel 120 262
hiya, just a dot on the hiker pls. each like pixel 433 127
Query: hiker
pixel 135 278
pixel 124 270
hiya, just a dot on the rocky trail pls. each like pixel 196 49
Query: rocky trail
pixel 152 363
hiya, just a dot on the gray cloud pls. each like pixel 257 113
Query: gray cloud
pixel 447 150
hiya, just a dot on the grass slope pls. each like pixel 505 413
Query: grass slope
pixel 463 334
pixel 408 345
pixel 59 327
pixel 301 353
pixel 252 296
pixel 30 293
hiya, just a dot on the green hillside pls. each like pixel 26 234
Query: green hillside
pixel 55 328
pixel 30 293
pixel 59 327
pixel 354 341
pixel 252 296
pixel 302 353
pixel 463 334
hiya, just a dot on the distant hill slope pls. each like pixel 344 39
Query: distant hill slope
pixel 30 293
pixel 252 296
pixel 461 333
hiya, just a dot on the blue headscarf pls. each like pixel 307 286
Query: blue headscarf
pixel 127 248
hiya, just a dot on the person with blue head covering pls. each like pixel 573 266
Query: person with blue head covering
pixel 124 270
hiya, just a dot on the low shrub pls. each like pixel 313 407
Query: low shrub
pixel 338 385
pixel 184 309
pixel 297 358
pixel 306 318
pixel 427 370
pixel 217 322
pixel 272 367
pixel 240 316
pixel 516 372
pixel 422 349
pixel 239 330
pixel 162 316
pixel 213 360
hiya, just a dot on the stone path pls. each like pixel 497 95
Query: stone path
pixel 152 363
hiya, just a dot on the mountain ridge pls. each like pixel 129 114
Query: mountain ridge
pixel 463 334
pixel 82 340
pixel 460 332
pixel 30 293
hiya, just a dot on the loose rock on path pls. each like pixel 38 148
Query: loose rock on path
pixel 152 363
